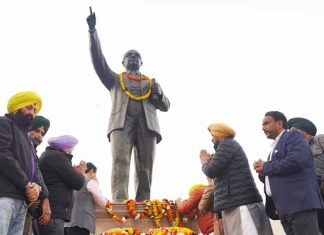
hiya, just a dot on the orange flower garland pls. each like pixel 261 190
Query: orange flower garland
pixel 169 209
pixel 155 210
pixel 113 215
pixel 130 76
pixel 128 93
pixel 132 212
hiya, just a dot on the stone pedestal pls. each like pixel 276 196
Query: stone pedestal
pixel 104 221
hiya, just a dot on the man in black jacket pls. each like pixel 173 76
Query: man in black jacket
pixel 61 179
pixel 308 130
pixel 21 181
pixel 41 211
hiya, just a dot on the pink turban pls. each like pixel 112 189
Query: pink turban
pixel 63 142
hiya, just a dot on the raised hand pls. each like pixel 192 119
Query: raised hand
pixel 258 166
pixel 204 156
pixel 81 168
pixel 91 20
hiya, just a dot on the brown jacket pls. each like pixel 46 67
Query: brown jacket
pixel 206 203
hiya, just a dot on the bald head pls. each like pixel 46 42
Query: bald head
pixel 132 60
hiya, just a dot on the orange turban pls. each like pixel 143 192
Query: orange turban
pixel 23 99
pixel 221 130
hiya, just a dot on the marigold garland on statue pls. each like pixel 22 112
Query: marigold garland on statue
pixel 130 76
pixel 128 93
pixel 154 210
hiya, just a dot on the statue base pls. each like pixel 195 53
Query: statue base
pixel 105 222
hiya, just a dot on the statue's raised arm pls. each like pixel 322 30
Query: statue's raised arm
pixel 91 19
pixel 100 65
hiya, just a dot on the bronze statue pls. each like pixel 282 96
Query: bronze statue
pixel 133 124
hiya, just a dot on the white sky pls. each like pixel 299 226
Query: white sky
pixel 217 61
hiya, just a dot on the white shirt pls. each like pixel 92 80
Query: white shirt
pixel 272 148
pixel 93 188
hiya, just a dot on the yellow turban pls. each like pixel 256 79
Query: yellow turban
pixel 194 187
pixel 221 130
pixel 23 99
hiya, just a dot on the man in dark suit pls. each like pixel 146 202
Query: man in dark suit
pixel 292 193
pixel 133 124
pixel 41 210
pixel 308 130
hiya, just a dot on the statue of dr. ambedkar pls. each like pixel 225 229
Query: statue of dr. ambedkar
pixel 133 123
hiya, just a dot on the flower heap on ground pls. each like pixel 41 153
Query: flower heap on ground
pixel 122 231
pixel 171 231
pixel 156 231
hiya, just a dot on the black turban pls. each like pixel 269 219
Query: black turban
pixel 303 124
pixel 38 122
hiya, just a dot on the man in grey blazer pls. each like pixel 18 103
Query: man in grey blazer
pixel 133 123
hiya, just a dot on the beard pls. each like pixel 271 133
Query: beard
pixel 23 119
pixel 36 141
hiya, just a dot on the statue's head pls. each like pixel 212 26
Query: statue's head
pixel 132 60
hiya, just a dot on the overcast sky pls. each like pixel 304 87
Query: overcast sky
pixel 217 61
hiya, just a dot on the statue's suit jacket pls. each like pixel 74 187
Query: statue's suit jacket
pixel 291 176
pixel 119 100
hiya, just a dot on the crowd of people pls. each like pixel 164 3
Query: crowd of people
pixel 292 177
pixel 45 195
pixel 48 195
